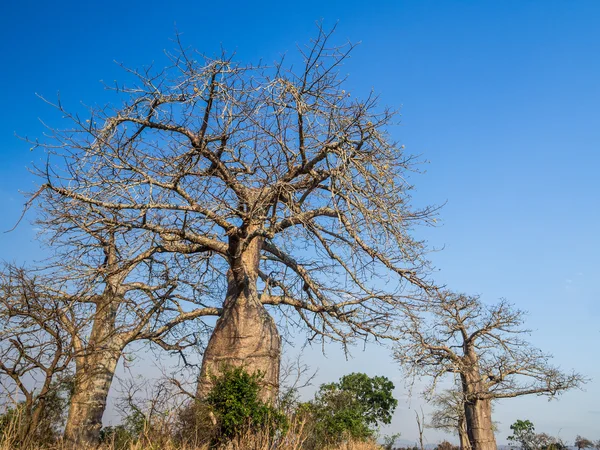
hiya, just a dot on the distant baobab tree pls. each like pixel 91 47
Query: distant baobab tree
pixel 483 346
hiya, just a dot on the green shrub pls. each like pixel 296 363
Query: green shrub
pixel 235 402
pixel 39 421
pixel 350 409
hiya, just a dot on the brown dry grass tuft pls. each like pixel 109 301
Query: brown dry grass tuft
pixel 293 439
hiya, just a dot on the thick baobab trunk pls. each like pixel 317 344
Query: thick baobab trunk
pixel 95 368
pixel 478 414
pixel 478 410
pixel 245 335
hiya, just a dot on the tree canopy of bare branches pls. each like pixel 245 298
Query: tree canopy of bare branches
pixel 449 415
pixel 35 347
pixel 482 345
pixel 288 188
pixel 107 287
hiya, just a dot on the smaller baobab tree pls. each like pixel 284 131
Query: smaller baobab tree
pixel 483 346
pixel 121 286
pixel 449 415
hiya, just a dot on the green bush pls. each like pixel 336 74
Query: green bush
pixel 235 402
pixel 121 437
pixel 349 409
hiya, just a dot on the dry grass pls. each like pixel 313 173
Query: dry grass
pixel 293 439
pixel 158 438
pixel 247 444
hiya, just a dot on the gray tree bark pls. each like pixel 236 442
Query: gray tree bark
pixel 245 335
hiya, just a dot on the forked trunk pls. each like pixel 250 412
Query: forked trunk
pixel 29 420
pixel 94 372
pixel 245 335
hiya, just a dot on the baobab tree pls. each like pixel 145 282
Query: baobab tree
pixel 113 286
pixel 483 346
pixel 289 187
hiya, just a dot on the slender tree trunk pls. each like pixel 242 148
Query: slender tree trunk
pixel 94 373
pixel 28 421
pixel 245 335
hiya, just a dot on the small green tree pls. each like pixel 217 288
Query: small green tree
pixel 390 440
pixel 350 409
pixel 523 434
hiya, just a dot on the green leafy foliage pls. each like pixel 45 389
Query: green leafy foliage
pixel 121 437
pixel 390 440
pixel 118 437
pixel 523 434
pixel 350 409
pixel 234 400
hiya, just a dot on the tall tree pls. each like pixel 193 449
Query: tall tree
pixel 483 346
pixel 289 186
pixel 113 286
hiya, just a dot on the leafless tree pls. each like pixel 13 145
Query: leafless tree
pixel 123 310
pixel 289 187
pixel 581 442
pixel 35 350
pixel 294 376
pixel 449 415
pixel 150 408
pixel 120 286
pixel 483 346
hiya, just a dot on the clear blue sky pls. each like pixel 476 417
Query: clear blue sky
pixel 502 97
